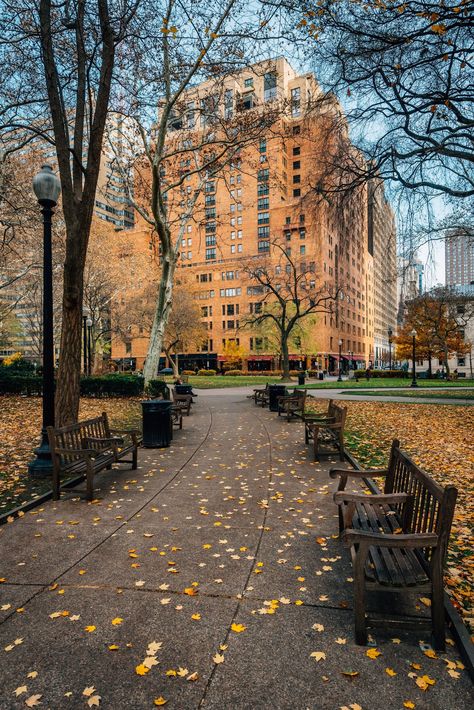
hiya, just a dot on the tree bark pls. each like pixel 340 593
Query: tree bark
pixel 285 357
pixel 160 320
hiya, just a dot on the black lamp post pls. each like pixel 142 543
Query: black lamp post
pixel 89 346
pixel 390 333
pixel 85 316
pixel 414 383
pixel 339 379
pixel 46 187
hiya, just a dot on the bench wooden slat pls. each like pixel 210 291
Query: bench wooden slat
pixel 418 508
pixel 86 448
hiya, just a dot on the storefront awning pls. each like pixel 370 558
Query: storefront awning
pixel 260 358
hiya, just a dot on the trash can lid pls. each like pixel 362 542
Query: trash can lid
pixel 155 402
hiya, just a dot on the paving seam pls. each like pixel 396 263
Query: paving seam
pixel 252 567
pixel 44 587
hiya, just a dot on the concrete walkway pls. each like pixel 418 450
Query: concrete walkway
pixel 212 577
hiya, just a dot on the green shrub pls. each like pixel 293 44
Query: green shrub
pixel 16 363
pixel 112 385
pixel 187 372
pixel 19 383
pixel 382 374
pixel 206 373
pixel 234 373
pixel 158 388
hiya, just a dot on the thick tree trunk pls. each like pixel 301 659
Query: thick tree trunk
pixel 160 321
pixel 69 372
pixel 285 357
pixel 430 369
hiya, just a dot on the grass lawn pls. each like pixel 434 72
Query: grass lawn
pixel 440 394
pixel 218 381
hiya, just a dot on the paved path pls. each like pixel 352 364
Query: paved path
pixel 207 578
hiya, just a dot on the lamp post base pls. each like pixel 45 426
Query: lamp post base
pixel 42 465
pixel 414 384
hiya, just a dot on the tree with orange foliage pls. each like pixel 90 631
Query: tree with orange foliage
pixel 439 318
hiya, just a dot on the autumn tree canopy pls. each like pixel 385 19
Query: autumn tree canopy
pixel 439 318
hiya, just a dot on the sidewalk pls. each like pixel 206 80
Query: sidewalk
pixel 207 578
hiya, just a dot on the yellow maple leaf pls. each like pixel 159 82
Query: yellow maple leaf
pixel 218 658
pixel 409 704
pixel 171 673
pixel 373 653
pixel 89 629
pixel 160 701
pixel 33 700
pixel 430 653
pixel 191 591
pixel 141 669
pixel 390 672
pixel 238 628
pixel 318 655
pixel 117 621
pixel 113 647
pixel 196 617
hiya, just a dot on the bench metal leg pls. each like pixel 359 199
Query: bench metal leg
pixel 437 611
pixel 135 459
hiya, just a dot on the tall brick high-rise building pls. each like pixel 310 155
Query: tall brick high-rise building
pixel 273 191
pixel 459 249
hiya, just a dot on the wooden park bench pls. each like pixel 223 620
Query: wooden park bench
pixel 177 415
pixel 326 429
pixel 88 447
pixel 292 405
pixel 261 396
pixel 182 402
pixel 398 538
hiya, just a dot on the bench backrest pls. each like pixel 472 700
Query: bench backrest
pixel 71 436
pixel 339 414
pixel 433 505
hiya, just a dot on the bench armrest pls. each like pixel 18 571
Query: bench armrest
pixel 333 472
pixel 124 431
pixel 409 540
pixel 343 497
pixel 316 419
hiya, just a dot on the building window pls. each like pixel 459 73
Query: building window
pixel 211 240
pixel 263 174
pixel 296 164
pixel 297 192
pixel 301 218
pixel 269 86
pixel 297 150
pixel 263 189
pixel 296 102
pixel 302 249
pixel 263 145
pixel 263 232
pixel 296 179
pixel 248 82
pixel 263 246
pixel 228 103
pixel 302 233
pixel 263 218
pixel 239 248
pixel 296 130
pixel 210 254
pixel 263 203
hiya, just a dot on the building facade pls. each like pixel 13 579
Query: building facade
pixel 459 256
pixel 267 198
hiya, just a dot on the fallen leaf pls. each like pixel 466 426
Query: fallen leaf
pixel 94 701
pixel 218 658
pixel 33 700
pixel 373 653
pixel 141 669
pixel 160 701
pixel 20 690
pixel 117 621
pixel 88 691
pixel 238 628
pixel 89 629
pixel 390 672
pixel 318 655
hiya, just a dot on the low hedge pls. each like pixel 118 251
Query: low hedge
pixel 188 372
pixel 206 373
pixel 16 383
pixel 382 374
pixel 158 388
pixel 113 385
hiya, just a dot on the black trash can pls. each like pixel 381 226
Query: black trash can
pixel 321 375
pixel 275 392
pixel 157 424
pixel 301 378
pixel 183 389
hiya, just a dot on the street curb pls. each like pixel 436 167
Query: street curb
pixel 35 502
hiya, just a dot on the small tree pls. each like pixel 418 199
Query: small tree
pixel 289 297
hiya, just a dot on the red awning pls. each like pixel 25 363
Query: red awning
pixel 264 358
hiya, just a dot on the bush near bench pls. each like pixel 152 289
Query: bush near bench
pixel 382 374
pixel 206 373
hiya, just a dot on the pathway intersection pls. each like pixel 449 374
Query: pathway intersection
pixel 212 577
